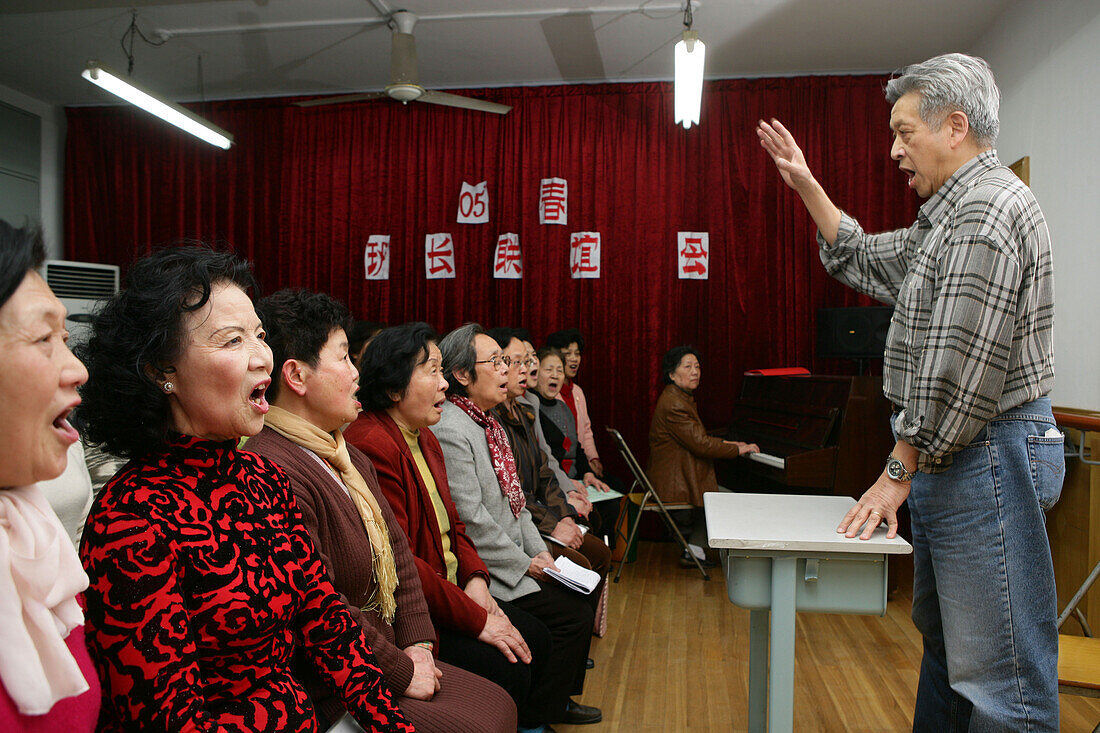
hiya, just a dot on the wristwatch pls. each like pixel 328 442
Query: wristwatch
pixel 895 469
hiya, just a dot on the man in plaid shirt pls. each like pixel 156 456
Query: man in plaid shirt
pixel 969 361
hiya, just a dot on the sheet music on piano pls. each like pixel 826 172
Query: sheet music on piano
pixel 768 460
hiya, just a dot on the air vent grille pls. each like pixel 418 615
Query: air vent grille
pixel 81 280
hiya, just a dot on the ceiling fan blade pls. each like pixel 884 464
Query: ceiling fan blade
pixel 341 99
pixel 455 100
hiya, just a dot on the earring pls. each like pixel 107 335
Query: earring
pixel 168 387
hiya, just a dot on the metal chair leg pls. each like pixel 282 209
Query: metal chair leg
pixel 633 536
pixel 679 536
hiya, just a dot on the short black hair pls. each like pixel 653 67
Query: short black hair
pixel 388 363
pixel 546 351
pixel 561 339
pixel 672 358
pixel 502 335
pixel 141 330
pixel 298 324
pixel 522 334
pixel 21 250
pixel 361 332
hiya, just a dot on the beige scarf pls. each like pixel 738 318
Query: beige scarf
pixel 334 451
pixel 40 576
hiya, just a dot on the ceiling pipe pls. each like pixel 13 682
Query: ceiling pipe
pixel 166 33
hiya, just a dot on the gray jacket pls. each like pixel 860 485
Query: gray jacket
pixel 528 398
pixel 505 542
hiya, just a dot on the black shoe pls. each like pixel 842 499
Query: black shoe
pixel 686 561
pixel 577 714
pixel 589 663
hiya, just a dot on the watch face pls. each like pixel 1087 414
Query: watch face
pixel 895 468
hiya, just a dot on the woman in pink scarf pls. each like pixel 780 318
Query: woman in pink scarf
pixel 47 681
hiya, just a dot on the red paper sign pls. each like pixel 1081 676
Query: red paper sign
pixel 553 201
pixel 473 204
pixel 693 255
pixel 376 257
pixel 439 256
pixel 584 255
pixel 508 260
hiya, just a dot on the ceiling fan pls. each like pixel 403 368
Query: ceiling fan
pixel 404 83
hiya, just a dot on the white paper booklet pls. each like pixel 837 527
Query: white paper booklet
pixel 573 576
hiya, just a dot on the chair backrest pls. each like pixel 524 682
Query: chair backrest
pixel 631 461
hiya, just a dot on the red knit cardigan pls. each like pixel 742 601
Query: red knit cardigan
pixel 377 435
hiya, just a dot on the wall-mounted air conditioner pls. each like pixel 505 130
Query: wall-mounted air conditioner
pixel 82 287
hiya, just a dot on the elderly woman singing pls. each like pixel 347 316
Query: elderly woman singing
pixel 364 549
pixel 204 579
pixel 486 488
pixel 46 677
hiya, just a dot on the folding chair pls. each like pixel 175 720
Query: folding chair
pixel 642 481
pixel 1079 656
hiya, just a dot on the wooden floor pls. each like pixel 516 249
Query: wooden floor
pixel 675 658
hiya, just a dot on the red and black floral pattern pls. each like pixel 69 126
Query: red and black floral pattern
pixel 203 580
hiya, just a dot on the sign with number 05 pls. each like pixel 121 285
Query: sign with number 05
pixel 473 204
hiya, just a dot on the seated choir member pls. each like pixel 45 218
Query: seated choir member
pixel 576 491
pixel 361 544
pixel 487 492
pixel 557 421
pixel 681 454
pixel 403 392
pixel 547 502
pixel 204 579
pixel 47 681
pixel 570 343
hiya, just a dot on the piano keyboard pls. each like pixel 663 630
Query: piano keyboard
pixel 768 460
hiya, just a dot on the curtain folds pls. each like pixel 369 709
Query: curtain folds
pixel 304 187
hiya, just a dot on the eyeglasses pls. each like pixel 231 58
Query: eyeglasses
pixel 507 361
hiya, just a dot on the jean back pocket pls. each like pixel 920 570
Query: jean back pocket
pixel 1046 455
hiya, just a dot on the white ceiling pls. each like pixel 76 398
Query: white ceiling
pixel 341 46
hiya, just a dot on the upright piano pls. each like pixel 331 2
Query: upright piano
pixel 817 435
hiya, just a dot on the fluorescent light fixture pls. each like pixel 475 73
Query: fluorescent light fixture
pixel 688 85
pixel 170 112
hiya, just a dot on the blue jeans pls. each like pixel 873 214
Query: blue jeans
pixel 983 581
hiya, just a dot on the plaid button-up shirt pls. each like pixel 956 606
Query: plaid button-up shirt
pixel 972 286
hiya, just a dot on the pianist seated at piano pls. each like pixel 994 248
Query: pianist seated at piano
pixel 681 453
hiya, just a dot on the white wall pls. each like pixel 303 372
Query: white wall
pixel 1046 56
pixel 53 161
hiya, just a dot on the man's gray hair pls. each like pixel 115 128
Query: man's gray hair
pixel 460 355
pixel 953 82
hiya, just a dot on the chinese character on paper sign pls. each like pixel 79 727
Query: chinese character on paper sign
pixel 507 262
pixel 584 255
pixel 693 255
pixel 553 201
pixel 376 257
pixel 439 256
pixel 473 204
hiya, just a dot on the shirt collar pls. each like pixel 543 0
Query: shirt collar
pixel 943 201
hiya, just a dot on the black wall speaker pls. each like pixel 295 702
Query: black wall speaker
pixel 852 333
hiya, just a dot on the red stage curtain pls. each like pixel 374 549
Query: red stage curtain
pixel 303 189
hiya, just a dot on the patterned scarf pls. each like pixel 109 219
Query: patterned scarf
pixel 504 463
pixel 333 450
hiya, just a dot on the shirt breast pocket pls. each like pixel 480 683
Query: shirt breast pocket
pixel 912 315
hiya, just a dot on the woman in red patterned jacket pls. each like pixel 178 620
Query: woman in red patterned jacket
pixel 204 579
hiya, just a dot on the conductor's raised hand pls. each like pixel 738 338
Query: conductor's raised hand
pixel 788 157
